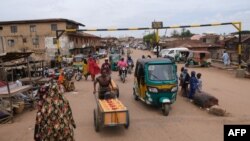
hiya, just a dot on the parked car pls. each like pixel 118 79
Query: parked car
pixel 172 52
pixel 155 49
pixel 102 53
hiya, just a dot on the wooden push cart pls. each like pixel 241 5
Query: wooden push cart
pixel 110 112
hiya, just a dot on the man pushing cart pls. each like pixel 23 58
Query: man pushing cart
pixel 110 111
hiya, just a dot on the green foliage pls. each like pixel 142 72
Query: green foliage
pixel 184 33
pixel 150 39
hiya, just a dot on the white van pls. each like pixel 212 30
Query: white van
pixel 173 51
pixel 155 49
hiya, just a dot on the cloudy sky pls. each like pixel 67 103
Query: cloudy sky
pixel 133 13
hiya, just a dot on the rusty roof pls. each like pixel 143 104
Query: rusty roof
pixel 10 56
pixel 40 21
pixel 189 44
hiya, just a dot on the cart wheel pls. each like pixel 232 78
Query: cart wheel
pixel 165 109
pixel 96 121
pixel 72 87
pixel 127 118
pixel 117 93
pixel 135 96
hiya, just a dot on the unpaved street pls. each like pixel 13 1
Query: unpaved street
pixel 185 121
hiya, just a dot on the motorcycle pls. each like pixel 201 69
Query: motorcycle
pixel 69 73
pixel 123 74
pixel 78 76
pixel 130 66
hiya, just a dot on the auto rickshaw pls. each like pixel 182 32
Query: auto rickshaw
pixel 78 61
pixel 113 59
pixel 198 59
pixel 156 82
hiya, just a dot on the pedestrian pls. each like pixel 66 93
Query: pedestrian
pixel 93 67
pixel 54 118
pixel 199 85
pixel 185 83
pixel 226 58
pixel 85 69
pixel 181 79
pixel 181 76
pixel 193 85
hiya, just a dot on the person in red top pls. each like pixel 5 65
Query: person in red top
pixel 122 64
pixel 106 65
pixel 93 67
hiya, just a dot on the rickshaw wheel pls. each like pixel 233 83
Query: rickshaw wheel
pixel 72 87
pixel 135 96
pixel 128 122
pixel 165 109
pixel 117 93
pixel 96 121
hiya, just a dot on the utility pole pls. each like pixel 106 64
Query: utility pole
pixel 157 26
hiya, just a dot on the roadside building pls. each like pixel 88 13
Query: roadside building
pixel 38 36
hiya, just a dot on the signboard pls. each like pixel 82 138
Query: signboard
pixel 157 24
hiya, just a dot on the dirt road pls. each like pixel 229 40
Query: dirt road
pixel 185 121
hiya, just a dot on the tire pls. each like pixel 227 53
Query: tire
pixel 72 86
pixel 128 122
pixel 117 93
pixel 165 109
pixel 78 77
pixel 135 96
pixel 96 121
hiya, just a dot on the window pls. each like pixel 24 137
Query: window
pixel 13 29
pixel 53 27
pixel 161 72
pixel 11 43
pixel 54 41
pixel 171 52
pixel 24 40
pixel 35 41
pixel 1 28
pixel 32 28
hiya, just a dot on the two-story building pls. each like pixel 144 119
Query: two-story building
pixel 39 36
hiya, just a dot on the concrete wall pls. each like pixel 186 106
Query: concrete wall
pixel 51 48
pixel 23 33
pixel 1 45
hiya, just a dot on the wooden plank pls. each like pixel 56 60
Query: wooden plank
pixel 14 91
pixel 115 118
pixel 44 80
pixel 111 105
pixel 26 79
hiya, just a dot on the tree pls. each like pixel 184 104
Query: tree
pixel 150 39
pixel 186 33
pixel 175 33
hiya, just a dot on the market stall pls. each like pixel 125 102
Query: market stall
pixel 11 89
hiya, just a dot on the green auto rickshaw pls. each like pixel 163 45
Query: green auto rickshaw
pixel 156 82
pixel 113 59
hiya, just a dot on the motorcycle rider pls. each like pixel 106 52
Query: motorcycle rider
pixel 106 65
pixel 122 63
pixel 130 60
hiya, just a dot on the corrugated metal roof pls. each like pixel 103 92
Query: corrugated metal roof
pixel 40 21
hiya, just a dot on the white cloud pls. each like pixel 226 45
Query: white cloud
pixel 132 13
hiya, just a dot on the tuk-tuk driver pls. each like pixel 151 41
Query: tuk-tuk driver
pixel 104 82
